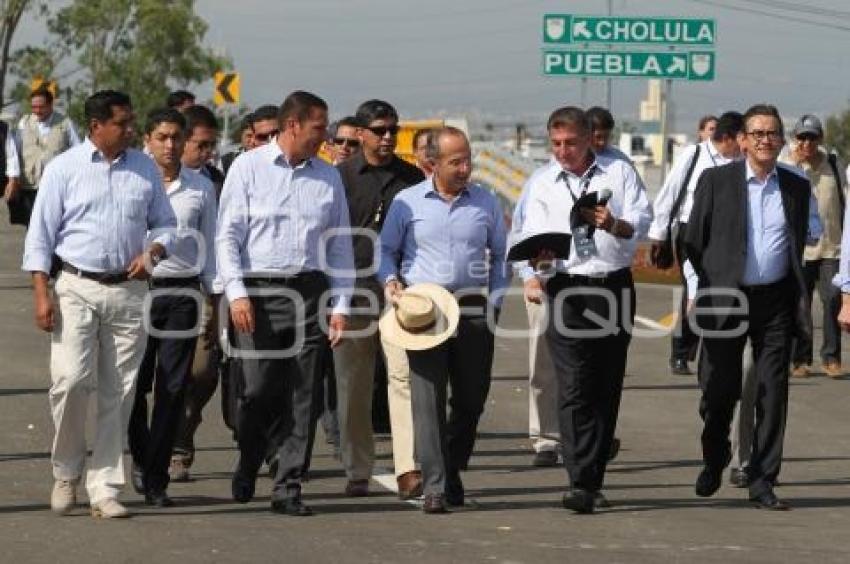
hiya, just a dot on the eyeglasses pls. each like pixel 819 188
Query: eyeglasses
pixel 382 130
pixel 346 142
pixel 807 137
pixel 765 135
pixel 264 137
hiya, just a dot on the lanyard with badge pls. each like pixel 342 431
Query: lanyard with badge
pixel 583 232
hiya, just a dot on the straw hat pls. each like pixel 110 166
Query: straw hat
pixel 423 316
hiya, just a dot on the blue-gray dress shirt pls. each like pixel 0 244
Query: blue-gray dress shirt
pixel 458 244
pixel 95 214
pixel 275 219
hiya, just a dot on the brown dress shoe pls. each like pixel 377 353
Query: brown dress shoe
pixel 434 503
pixel 800 371
pixel 357 488
pixel 410 485
pixel 833 369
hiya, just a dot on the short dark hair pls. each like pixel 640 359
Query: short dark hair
pixel 178 98
pixel 264 112
pixel 199 116
pixel 43 92
pixel 703 121
pixel 569 116
pixel 164 115
pixel 419 134
pixel 347 121
pixel 729 124
pixel 600 118
pixel 370 110
pixel 763 110
pixel 99 105
pixel 247 122
pixel 432 150
pixel 298 105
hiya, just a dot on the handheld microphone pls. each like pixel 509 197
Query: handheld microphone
pixel 603 196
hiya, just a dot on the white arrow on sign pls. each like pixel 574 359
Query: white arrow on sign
pixel 680 64
pixel 580 30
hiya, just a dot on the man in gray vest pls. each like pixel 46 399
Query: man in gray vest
pixel 42 134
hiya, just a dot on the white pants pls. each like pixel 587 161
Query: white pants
pixel 97 345
pixel 543 426
pixel 743 424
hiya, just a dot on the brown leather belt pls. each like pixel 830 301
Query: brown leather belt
pixel 102 277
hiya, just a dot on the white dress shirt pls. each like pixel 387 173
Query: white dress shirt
pixel 709 157
pixel 192 197
pixel 546 203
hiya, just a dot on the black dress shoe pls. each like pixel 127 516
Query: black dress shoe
pixel 770 502
pixel 434 504
pixel 158 499
pixel 615 449
pixel 454 490
pixel 708 481
pixel 545 458
pixel 137 478
pixel 242 487
pixel 600 501
pixel 580 501
pixel 679 367
pixel 739 478
pixel 292 506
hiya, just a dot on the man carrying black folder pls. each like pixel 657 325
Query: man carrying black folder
pixel 589 293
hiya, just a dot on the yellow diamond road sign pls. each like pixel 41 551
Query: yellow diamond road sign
pixel 39 82
pixel 226 88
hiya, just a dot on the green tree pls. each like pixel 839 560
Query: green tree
pixel 11 12
pixel 838 134
pixel 141 47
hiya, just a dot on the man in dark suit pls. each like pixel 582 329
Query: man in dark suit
pixel 745 239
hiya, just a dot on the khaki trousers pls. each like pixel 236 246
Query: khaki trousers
pixel 97 346
pixel 401 412
pixel 543 426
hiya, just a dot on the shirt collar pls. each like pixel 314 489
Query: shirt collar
pixel 751 175
pixel 276 155
pixel 597 165
pixel 96 155
pixel 432 191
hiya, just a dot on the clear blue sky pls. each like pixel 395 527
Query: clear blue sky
pixel 484 55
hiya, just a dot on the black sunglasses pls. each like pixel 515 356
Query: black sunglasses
pixel 344 141
pixel 382 130
pixel 264 137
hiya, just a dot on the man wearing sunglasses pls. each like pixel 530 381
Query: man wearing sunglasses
pixel 745 238
pixel 343 140
pixel 820 260
pixel 265 125
pixel 372 178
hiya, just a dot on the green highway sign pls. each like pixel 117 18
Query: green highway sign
pixel 571 28
pixel 624 64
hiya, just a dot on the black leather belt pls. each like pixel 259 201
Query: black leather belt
pixel 615 276
pixel 299 278
pixel 173 282
pixel 764 288
pixel 102 277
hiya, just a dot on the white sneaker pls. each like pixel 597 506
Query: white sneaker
pixel 109 508
pixel 64 496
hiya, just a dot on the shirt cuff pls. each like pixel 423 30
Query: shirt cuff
pixel 234 290
pixel 37 264
pixel 657 233
pixel 341 305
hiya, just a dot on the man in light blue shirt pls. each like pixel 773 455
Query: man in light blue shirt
pixel 745 239
pixel 448 232
pixel 95 205
pixel 284 250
